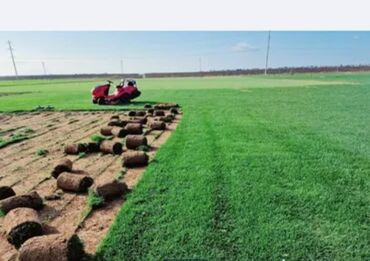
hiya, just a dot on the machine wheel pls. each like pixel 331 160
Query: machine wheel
pixel 94 101
pixel 101 101
pixel 125 98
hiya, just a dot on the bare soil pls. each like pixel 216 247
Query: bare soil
pixel 25 171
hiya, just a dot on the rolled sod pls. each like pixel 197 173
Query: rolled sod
pixel 92 147
pixel 165 106
pixel 150 111
pixel 174 110
pixel 55 247
pixel 157 125
pixel 112 189
pixel 62 166
pixel 148 106
pixel 75 149
pixel 134 128
pixel 140 113
pixel 29 200
pixel 117 123
pixel 111 147
pixel 106 131
pixel 74 182
pixel 21 224
pixel 6 192
pixel 131 120
pixel 134 141
pixel 118 132
pixel 132 159
pixel 131 113
pixel 114 117
pixel 167 118
pixel 158 113
pixel 142 120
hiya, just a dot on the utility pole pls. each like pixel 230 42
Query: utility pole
pixel 267 53
pixel 11 53
pixel 44 68
pixel 121 66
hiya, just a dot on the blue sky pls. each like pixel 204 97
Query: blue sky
pixel 100 52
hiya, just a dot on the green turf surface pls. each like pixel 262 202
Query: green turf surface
pixel 259 169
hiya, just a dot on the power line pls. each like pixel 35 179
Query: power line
pixel 11 53
pixel 267 52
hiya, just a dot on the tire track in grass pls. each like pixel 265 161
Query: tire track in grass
pixel 219 239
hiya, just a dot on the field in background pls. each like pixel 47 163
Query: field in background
pixel 254 171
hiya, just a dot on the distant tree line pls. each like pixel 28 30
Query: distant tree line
pixel 281 70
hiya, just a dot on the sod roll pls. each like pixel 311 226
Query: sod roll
pixel 131 113
pixel 148 106
pixel 111 147
pixel 167 118
pixel 174 110
pixel 29 200
pixel 140 113
pixel 118 132
pixel 75 149
pixel 134 141
pixel 165 106
pixel 114 117
pixel 55 247
pixel 62 166
pixel 74 182
pixel 134 128
pixel 142 120
pixel 150 111
pixel 106 131
pixel 157 125
pixel 112 189
pixel 133 159
pixel 6 192
pixel 21 224
pixel 117 123
pixel 92 147
pixel 158 113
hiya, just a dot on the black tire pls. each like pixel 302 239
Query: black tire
pixel 101 101
pixel 94 101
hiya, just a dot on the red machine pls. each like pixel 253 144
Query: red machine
pixel 124 93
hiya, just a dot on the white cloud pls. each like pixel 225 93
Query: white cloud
pixel 242 47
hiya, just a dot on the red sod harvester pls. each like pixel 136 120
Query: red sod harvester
pixel 124 93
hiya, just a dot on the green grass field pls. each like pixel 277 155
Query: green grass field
pixel 260 168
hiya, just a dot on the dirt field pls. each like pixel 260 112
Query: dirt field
pixel 24 169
